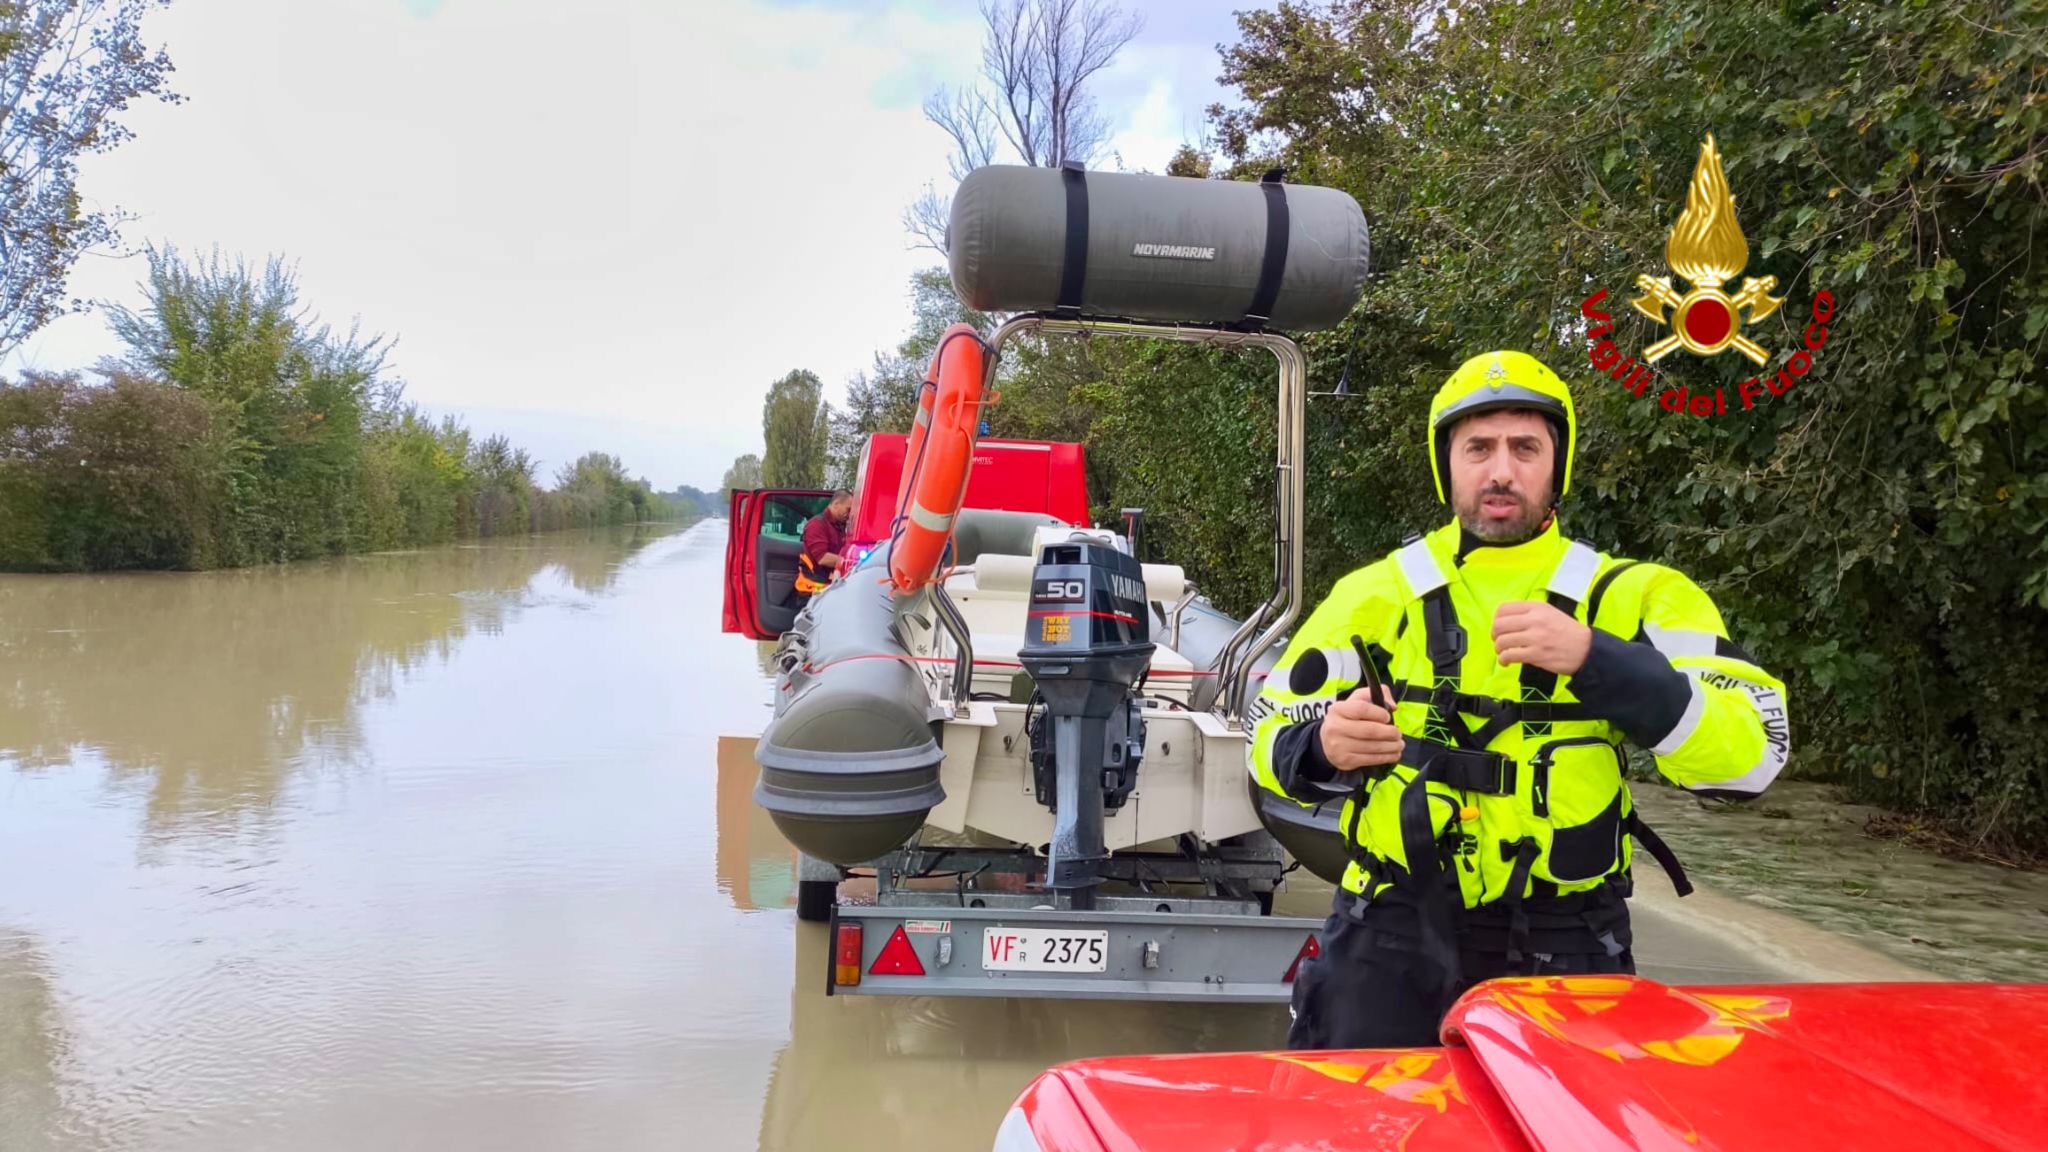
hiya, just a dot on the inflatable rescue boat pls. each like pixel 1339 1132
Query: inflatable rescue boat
pixel 1012 679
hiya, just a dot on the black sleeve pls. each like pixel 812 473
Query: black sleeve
pixel 1633 687
pixel 1300 766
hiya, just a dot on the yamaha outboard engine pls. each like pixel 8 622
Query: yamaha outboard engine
pixel 1086 645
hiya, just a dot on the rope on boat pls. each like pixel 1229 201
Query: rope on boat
pixel 814 669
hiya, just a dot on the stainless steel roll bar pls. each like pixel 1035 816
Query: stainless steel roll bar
pixel 1274 617
pixel 963 641
pixel 1173 614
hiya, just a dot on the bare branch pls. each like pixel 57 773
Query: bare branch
pixel 1008 61
pixel 1039 57
pixel 1077 40
pixel 927 219
pixel 967 118
pixel 1037 61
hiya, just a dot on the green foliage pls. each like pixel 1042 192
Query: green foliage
pixel 504 486
pixel 107 477
pixel 68 70
pixel 744 475
pixel 794 421
pixel 885 400
pixel 595 491
pixel 239 431
pixel 695 502
pixel 1880 532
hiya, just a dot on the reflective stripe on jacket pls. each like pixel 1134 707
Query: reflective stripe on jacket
pixel 809 578
pixel 1538 786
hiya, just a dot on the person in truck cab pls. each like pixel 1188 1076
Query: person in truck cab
pixel 824 537
pixel 1483 790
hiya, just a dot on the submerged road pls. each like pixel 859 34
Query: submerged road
pixel 438 850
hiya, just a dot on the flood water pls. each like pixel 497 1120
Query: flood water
pixel 457 849
pixel 438 850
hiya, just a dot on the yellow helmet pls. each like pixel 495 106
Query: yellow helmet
pixel 1492 381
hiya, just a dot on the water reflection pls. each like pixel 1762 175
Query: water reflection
pixel 938 1073
pixel 445 850
pixel 451 850
pixel 216 684
pixel 32 1045
pixel 756 867
pixel 909 1074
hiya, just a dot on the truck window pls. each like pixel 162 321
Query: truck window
pixel 784 514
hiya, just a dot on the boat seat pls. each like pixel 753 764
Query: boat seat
pixel 999 574
pixel 978 531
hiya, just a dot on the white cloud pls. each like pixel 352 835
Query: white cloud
pixel 588 218
pixel 1154 131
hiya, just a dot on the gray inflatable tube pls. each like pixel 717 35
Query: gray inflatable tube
pixel 1160 248
pixel 849 768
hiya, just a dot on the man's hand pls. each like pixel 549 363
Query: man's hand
pixel 1358 733
pixel 1532 632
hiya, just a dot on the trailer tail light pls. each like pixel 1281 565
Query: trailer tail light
pixel 1310 949
pixel 898 958
pixel 846 955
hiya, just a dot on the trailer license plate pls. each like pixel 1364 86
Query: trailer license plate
pixel 1044 950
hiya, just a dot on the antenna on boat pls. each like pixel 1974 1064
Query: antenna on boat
pixel 1343 379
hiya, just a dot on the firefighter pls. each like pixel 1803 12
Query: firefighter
pixel 1479 761
pixel 824 536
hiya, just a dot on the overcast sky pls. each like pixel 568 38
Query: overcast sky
pixel 608 224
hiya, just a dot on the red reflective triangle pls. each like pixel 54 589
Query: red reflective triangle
pixel 898 958
pixel 1309 951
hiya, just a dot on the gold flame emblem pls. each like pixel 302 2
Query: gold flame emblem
pixel 1706 248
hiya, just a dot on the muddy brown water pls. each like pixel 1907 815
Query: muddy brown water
pixel 444 850
pixel 436 850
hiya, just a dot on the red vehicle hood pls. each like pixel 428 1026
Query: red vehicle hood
pixel 1588 1064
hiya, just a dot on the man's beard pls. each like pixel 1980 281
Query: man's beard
pixel 1523 527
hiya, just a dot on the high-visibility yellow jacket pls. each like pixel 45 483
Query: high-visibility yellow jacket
pixel 1523 786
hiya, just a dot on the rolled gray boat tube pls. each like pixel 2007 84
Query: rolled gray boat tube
pixel 849 766
pixel 1161 248
pixel 1309 834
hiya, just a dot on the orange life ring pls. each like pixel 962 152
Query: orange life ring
pixel 938 457
pixel 919 425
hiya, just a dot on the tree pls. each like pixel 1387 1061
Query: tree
pixel 597 490
pixel 1879 534
pixel 1191 162
pixel 114 476
pixel 885 399
pixel 743 476
pixel 1037 60
pixel 793 422
pixel 504 480
pixel 695 502
pixel 290 400
pixel 68 69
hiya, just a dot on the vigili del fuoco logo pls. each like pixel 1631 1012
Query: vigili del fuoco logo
pixel 1706 251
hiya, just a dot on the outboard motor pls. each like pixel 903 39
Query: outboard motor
pixel 1086 645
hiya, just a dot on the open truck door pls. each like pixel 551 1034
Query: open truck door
pixel 766 527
